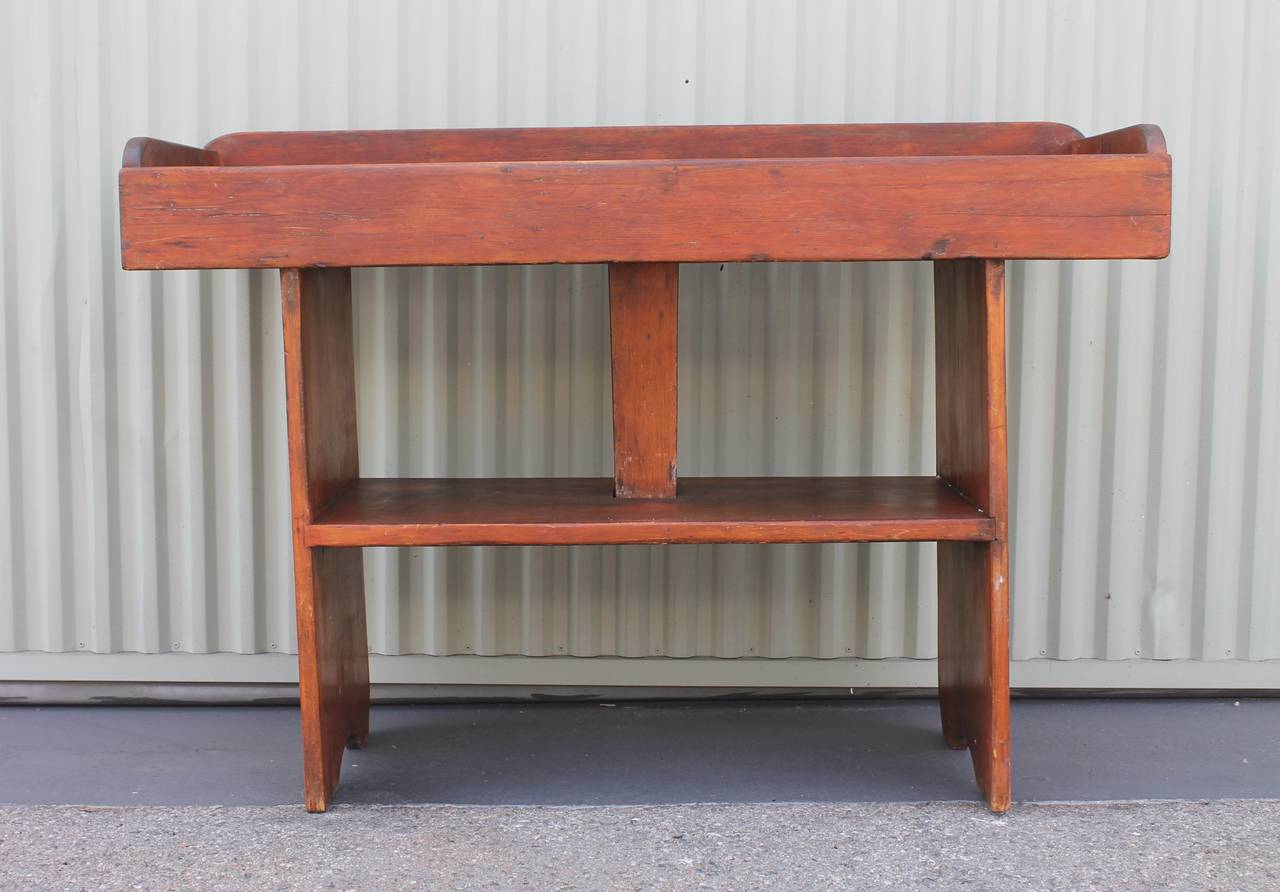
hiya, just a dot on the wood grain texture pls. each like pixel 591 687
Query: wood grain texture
pixel 969 364
pixel 1063 206
pixel 583 510
pixel 644 199
pixel 613 143
pixel 143 151
pixel 333 662
pixel 973 661
pixel 317 302
pixel 644 303
pixel 1140 139
pixel 973 590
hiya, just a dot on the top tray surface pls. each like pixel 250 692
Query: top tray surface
pixel 597 194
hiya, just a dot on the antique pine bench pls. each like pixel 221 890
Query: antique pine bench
pixel 643 199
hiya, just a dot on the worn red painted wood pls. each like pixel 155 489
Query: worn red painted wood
pixel 1140 139
pixel 643 199
pixel 583 510
pixel 333 661
pixel 143 151
pixel 605 211
pixel 643 309
pixel 634 143
pixel 973 577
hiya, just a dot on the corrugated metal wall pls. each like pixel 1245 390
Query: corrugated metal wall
pixel 143 504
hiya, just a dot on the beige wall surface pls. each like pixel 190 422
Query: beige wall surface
pixel 143 497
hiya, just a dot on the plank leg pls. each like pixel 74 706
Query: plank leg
pixel 333 650
pixel 973 587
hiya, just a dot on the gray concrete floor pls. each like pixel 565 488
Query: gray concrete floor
pixel 850 794
pixel 640 753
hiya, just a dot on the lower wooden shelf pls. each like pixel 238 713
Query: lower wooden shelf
pixel 584 511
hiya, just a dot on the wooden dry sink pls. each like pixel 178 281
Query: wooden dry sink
pixel 643 199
